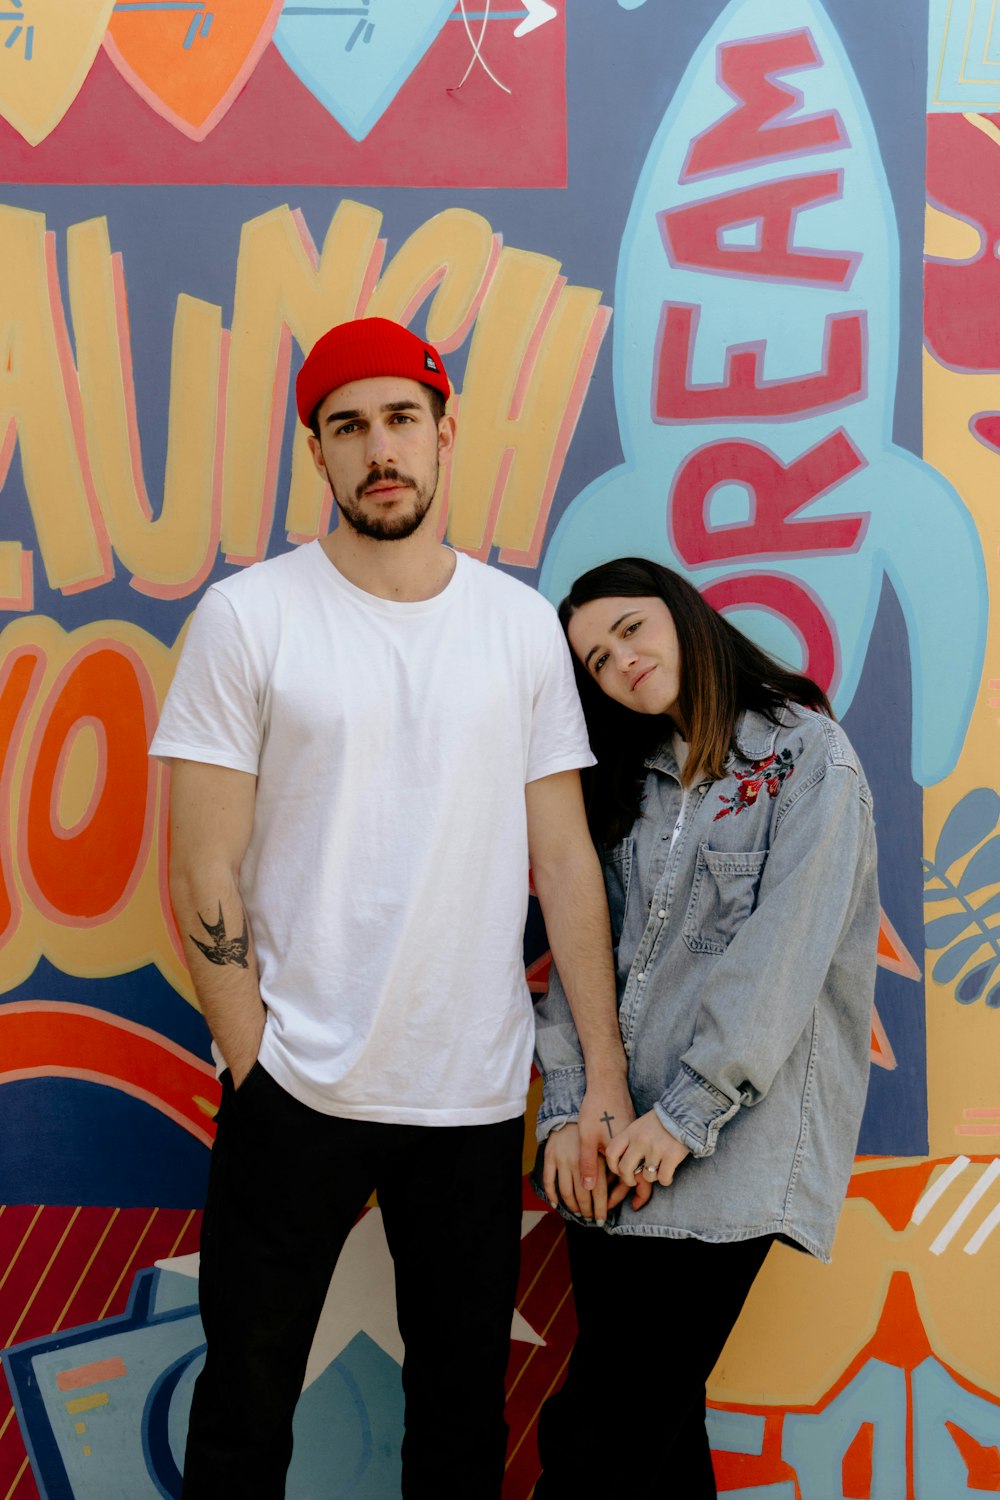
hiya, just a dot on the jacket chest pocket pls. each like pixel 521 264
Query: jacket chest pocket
pixel 722 897
pixel 618 863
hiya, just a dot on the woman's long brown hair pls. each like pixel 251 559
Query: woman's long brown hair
pixel 722 674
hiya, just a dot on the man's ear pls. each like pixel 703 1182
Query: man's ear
pixel 317 455
pixel 446 435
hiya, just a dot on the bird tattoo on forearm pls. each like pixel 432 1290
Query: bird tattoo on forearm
pixel 223 949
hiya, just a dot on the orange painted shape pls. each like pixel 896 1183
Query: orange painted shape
pixel 742 1471
pixel 857 1465
pixel 895 1192
pixel 87 872
pixel 881 1049
pixel 57 1039
pixel 190 63
pixel 537 974
pixel 95 1374
pixel 900 1338
pixel 982 1463
pixel 15 681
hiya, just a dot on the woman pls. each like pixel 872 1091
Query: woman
pixel 736 830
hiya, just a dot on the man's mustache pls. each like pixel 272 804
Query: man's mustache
pixel 383 476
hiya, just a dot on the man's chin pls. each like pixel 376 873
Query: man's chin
pixel 378 528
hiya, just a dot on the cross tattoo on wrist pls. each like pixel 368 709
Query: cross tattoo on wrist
pixel 606 1120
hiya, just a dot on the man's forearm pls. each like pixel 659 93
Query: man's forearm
pixel 571 895
pixel 219 948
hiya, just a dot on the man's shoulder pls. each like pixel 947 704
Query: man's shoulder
pixel 495 586
pixel 271 577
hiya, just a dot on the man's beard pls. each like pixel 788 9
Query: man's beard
pixel 390 528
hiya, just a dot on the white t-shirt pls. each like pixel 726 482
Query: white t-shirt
pixel 386 876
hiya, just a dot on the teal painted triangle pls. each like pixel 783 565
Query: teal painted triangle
pixel 355 56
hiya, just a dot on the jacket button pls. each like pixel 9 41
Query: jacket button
pixel 661 913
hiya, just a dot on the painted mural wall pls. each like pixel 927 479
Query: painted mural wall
pixel 717 283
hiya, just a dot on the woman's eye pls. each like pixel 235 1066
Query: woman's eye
pixel 629 629
pixel 599 662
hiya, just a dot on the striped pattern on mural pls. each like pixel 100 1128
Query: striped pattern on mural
pixel 63 1266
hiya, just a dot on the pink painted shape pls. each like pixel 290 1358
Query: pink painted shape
pixel 985 426
pixel 95 1374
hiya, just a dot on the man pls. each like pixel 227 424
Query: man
pixel 368 735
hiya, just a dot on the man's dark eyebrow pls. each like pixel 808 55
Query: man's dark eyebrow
pixel 620 619
pixel 353 415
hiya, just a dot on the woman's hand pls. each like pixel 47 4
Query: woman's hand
pixel 562 1177
pixel 641 1155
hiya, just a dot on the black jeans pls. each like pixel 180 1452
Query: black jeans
pixel 653 1315
pixel 286 1185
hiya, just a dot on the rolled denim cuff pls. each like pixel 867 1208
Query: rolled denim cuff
pixel 694 1111
pixel 562 1094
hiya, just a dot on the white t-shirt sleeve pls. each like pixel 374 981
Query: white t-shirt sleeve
pixel 558 733
pixel 211 713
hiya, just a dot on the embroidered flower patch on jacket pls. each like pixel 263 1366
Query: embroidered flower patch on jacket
pixel 769 773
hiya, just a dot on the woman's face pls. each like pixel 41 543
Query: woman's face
pixel 630 648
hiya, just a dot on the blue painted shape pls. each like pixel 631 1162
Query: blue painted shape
pixel 783 1490
pixel 963 71
pixel 735 1431
pixel 348 1427
pixel 118 1466
pixel 625 511
pixel 939 1468
pixel 815 1444
pixel 348 1424
pixel 357 83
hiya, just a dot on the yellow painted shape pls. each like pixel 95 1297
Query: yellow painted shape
pixel 986 125
pixel 170 553
pixel 37 394
pixel 281 285
pixel 79 1426
pixel 525 357
pixel 36 90
pixel 804 1323
pixel 948 238
pixel 962 1039
pixel 451 252
pixel 449 259
pixel 78 782
pixel 87 1403
pixel 142 932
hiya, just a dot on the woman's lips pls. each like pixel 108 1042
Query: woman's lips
pixel 636 681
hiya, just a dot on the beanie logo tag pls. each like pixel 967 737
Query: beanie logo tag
pixel 429 363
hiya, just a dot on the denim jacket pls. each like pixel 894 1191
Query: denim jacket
pixel 745 986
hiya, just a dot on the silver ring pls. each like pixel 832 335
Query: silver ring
pixel 651 1171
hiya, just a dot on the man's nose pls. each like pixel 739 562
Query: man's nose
pixel 379 444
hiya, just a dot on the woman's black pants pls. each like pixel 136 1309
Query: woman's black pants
pixel 286 1186
pixel 653 1314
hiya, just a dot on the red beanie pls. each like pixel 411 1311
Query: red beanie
pixel 360 350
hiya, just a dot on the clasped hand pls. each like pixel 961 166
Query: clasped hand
pixel 641 1154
